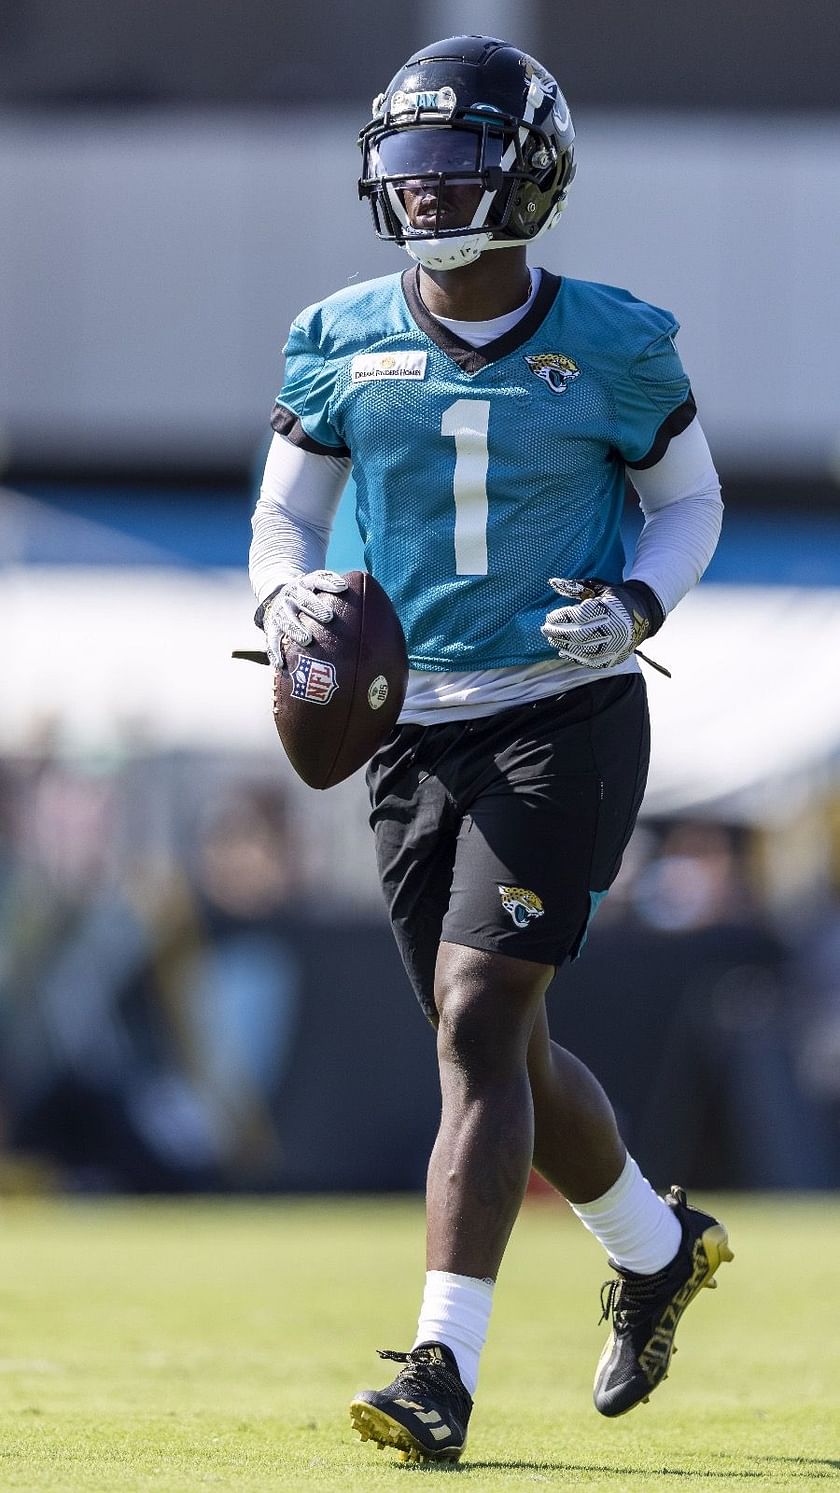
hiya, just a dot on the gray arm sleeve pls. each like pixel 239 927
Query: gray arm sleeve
pixel 680 499
pixel 292 521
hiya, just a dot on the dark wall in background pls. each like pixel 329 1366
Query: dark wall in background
pixel 214 52
pixel 692 1034
pixel 711 54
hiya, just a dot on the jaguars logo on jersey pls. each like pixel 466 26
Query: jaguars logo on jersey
pixel 557 370
pixel 521 904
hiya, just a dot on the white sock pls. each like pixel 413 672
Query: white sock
pixel 636 1227
pixel 456 1312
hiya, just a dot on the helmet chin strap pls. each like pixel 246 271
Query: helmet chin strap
pixel 465 248
pixel 447 253
pixel 452 253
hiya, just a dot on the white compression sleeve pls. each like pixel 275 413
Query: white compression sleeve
pixel 298 500
pixel 681 502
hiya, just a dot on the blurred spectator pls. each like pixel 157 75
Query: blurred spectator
pixel 163 959
pixel 147 1016
pixel 241 977
pixel 727 1097
pixel 696 879
pixel 818 972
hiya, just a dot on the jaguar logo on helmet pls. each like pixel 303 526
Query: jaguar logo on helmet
pixel 556 369
pixel 562 117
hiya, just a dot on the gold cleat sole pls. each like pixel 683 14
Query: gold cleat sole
pixel 715 1243
pixel 716 1248
pixel 374 1425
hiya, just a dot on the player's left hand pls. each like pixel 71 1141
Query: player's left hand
pixel 606 623
pixel 308 596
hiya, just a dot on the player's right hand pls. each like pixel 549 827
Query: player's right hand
pixel 285 616
pixel 605 625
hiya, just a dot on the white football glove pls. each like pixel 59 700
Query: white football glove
pixel 607 623
pixel 285 615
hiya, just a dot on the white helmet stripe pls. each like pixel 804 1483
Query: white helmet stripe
pixel 396 204
pixel 479 217
pixel 510 154
pixel 536 95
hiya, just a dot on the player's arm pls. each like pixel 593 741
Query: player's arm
pixel 683 510
pixel 306 470
pixel 669 463
pixel 291 524
pixel 680 498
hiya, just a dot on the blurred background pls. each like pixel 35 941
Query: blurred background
pixel 198 989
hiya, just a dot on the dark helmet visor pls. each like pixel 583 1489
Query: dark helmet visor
pixel 424 151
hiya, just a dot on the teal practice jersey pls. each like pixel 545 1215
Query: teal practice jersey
pixel 481 472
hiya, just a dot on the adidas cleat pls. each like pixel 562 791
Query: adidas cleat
pixel 645 1310
pixel 423 1415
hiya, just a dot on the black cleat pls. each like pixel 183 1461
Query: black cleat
pixel 424 1413
pixel 646 1309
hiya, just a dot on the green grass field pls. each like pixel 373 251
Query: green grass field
pixel 182 1346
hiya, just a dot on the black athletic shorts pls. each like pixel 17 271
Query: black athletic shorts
pixel 504 833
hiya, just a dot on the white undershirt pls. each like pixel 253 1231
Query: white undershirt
pixel 479 333
pixel 679 497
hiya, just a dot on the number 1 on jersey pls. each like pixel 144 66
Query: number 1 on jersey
pixel 467 420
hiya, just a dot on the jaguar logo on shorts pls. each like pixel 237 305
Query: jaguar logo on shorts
pixel 556 369
pixel 521 904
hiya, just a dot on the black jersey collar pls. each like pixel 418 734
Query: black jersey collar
pixel 473 359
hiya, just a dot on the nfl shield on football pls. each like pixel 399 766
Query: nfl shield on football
pixel 339 696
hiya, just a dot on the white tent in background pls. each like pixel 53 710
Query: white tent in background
pixel 751 717
pixel 114 654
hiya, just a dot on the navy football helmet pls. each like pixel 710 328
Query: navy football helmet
pixel 470 111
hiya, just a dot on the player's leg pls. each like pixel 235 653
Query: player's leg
pixel 518 903
pixel 527 798
pixel 577 1145
pixel 549 798
pixel 478 1173
pixel 423 1414
pixel 578 1149
pixel 663 1251
pixel 479 1168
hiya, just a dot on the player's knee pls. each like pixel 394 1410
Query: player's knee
pixel 467 1036
pixel 485 1012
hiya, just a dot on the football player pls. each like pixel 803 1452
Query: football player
pixel 491 411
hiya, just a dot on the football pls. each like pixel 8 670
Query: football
pixel 338 697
